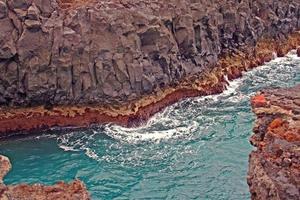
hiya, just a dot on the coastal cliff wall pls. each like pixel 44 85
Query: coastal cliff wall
pixel 111 52
pixel 73 63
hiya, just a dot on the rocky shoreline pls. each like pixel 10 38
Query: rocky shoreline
pixel 15 120
pixel 73 63
pixel 274 167
pixel 123 61
pixel 71 191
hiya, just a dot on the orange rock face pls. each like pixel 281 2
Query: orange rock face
pixel 274 168
pixel 259 101
pixel 276 123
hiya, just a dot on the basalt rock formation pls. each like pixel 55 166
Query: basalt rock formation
pixel 60 191
pixel 77 62
pixel 274 168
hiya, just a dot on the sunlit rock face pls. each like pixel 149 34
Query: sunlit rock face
pixel 72 191
pixel 111 52
pixel 274 168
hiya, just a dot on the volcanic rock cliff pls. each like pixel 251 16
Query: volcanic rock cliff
pixel 274 168
pixel 60 191
pixel 76 62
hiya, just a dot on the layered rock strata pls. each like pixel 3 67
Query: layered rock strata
pixel 274 167
pixel 60 191
pixel 76 62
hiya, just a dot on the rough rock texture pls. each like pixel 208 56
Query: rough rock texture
pixel 123 55
pixel 60 191
pixel 114 51
pixel 274 168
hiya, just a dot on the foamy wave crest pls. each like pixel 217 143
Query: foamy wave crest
pixel 173 122
pixel 78 141
pixel 231 93
pixel 162 126
pixel 185 120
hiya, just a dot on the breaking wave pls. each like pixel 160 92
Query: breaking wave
pixel 198 146
pixel 185 119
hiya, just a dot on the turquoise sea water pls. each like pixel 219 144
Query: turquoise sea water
pixel 195 149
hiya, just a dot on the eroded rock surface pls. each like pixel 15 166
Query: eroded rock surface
pixel 60 191
pixel 274 168
pixel 109 52
pixel 97 61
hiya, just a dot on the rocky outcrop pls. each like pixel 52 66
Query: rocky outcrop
pixel 274 167
pixel 76 62
pixel 60 191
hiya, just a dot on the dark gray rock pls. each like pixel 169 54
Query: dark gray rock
pixel 110 52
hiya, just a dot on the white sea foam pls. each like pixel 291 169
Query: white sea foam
pixel 91 153
pixel 183 119
pixel 164 126
pixel 68 148
pixel 232 94
pixel 142 134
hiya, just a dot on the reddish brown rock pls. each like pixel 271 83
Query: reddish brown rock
pixel 274 167
pixel 60 191
pixel 259 101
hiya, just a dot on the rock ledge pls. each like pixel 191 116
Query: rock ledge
pixel 274 168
